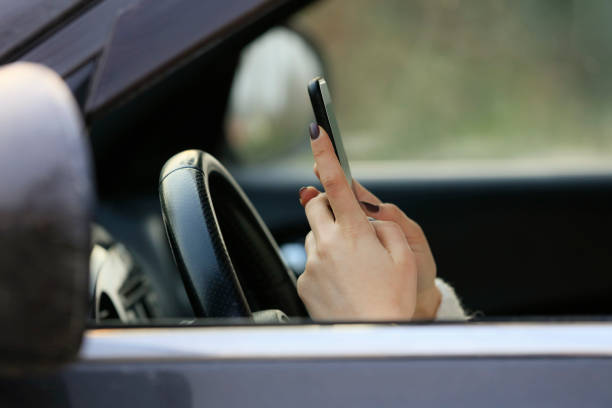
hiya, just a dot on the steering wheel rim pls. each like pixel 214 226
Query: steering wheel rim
pixel 228 260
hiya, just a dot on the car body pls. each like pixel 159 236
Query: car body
pixel 152 79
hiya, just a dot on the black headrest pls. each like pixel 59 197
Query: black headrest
pixel 46 200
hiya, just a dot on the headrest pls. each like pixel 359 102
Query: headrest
pixel 46 201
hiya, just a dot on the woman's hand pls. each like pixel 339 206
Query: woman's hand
pixel 428 296
pixel 356 269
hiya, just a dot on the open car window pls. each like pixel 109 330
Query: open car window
pixel 484 123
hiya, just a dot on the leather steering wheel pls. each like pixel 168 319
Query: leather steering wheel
pixel 228 260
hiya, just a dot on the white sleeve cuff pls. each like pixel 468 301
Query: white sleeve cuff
pixel 450 307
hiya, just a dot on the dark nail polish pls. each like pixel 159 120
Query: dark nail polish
pixel 301 191
pixel 314 131
pixel 370 207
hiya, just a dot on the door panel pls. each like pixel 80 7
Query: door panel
pixel 470 382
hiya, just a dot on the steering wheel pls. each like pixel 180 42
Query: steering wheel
pixel 228 260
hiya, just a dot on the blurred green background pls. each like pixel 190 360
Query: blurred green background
pixel 463 80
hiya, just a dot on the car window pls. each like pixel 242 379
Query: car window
pixel 506 83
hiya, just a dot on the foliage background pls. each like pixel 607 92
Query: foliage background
pixel 453 79
pixel 435 81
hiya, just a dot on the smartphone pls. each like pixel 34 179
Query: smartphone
pixel 320 99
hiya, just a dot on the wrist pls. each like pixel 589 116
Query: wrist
pixel 427 304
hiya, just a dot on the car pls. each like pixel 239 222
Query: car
pixel 147 260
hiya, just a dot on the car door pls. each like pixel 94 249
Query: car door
pixel 477 365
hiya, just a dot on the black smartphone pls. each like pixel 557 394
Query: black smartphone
pixel 320 99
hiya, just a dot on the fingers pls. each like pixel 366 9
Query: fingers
pixel 319 216
pixel 363 194
pixel 390 212
pixel 339 193
pixel 307 194
pixel 392 238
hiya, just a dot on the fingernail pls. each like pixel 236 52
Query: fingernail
pixel 314 131
pixel 302 191
pixel 370 207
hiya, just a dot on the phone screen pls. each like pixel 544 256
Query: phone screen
pixel 322 106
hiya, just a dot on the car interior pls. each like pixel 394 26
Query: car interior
pixel 152 237
pixel 514 244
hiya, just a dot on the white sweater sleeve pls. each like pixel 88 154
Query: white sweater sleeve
pixel 450 307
